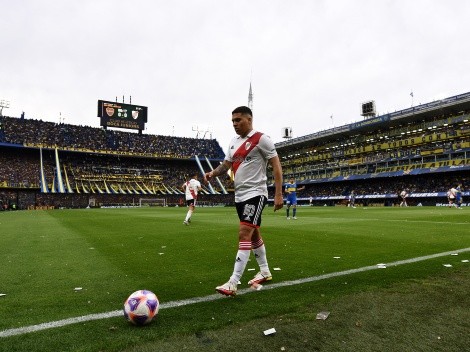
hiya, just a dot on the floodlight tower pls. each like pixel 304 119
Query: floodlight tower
pixel 4 104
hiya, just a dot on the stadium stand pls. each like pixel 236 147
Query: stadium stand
pixel 424 150
pixel 109 167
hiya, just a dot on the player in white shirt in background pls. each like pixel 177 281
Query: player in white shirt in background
pixel 455 196
pixel 403 195
pixel 352 199
pixel 191 188
pixel 451 197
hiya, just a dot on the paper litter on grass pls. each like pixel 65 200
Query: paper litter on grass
pixel 323 315
pixel 454 254
pixel 382 266
pixel 336 257
pixel 78 288
pixel 447 265
pixel 464 260
pixel 2 294
pixel 269 331
pixel 251 269
pixel 276 269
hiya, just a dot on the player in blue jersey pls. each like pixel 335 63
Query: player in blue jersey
pixel 291 189
pixel 458 196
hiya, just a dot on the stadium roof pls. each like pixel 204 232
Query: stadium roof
pixel 425 112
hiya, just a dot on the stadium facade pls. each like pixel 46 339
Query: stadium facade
pixel 424 150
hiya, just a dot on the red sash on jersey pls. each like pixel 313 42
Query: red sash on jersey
pixel 241 153
pixel 191 190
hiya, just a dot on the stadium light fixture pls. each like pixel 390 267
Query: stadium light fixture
pixel 4 104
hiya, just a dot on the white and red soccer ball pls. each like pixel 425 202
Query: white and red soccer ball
pixel 141 307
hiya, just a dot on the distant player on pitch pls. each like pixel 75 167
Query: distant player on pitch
pixel 458 196
pixel 403 195
pixel 191 188
pixel 291 189
pixel 352 199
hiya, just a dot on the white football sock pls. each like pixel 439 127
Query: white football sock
pixel 260 255
pixel 240 261
pixel 188 215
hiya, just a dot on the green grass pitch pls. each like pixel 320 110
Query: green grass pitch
pixel 109 253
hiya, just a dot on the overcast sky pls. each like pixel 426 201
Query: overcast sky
pixel 191 62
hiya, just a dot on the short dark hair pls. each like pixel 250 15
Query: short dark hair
pixel 244 110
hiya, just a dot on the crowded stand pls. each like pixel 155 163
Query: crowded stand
pixel 423 152
pixel 94 162
pixel 38 133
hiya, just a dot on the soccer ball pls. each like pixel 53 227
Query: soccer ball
pixel 141 307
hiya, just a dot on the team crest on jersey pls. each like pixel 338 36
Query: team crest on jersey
pixel 247 145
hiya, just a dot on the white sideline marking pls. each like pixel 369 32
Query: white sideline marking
pixel 210 298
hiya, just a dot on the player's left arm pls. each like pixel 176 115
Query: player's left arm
pixel 277 172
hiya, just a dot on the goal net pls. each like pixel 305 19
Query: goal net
pixel 152 202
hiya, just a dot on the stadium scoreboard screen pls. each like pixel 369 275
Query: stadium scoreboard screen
pixel 120 115
pixel 368 108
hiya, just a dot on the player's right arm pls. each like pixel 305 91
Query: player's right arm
pixel 277 173
pixel 219 170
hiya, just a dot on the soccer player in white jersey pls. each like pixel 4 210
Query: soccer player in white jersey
pixel 191 188
pixel 352 199
pixel 451 197
pixel 248 155
pixel 403 195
